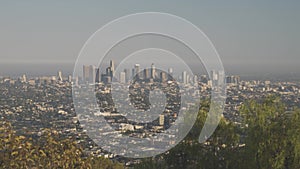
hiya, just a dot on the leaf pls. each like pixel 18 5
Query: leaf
pixel 43 153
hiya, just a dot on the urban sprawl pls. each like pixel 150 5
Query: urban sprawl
pixel 35 103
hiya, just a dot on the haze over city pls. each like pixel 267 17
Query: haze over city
pixel 252 38
pixel 143 84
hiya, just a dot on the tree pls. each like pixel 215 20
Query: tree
pixel 220 151
pixel 49 151
pixel 272 135
pixel 268 138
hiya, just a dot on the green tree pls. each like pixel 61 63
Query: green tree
pixel 220 151
pixel 50 151
pixel 272 135
pixel 268 138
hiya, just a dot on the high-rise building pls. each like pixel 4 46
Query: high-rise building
pixel 105 78
pixel 184 77
pixel 163 76
pixel 153 71
pixel 69 78
pixel 136 70
pixel 76 81
pixel 127 75
pixel 233 79
pixel 108 71
pixel 122 77
pixel 24 79
pixel 132 73
pixel 112 67
pixel 86 73
pixel 92 74
pixel 146 74
pixel 188 79
pixel 221 77
pixel 214 75
pixel 161 120
pixel 109 74
pixel 59 76
pixel 229 79
pixel 195 79
pixel 98 75
pixel 170 71
pixel 237 79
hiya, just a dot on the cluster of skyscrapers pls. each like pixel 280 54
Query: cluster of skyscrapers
pixel 92 74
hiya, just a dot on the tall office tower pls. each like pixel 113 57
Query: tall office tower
pixel 86 73
pixel 112 67
pixel 170 71
pixel 76 81
pixel 233 79
pixel 152 71
pixel 229 79
pixel 161 120
pixel 24 79
pixel 146 74
pixel 127 73
pixel 214 78
pixel 237 79
pixel 109 72
pixel 136 70
pixel 214 75
pixel 69 78
pixel 92 74
pixel 132 73
pixel 195 79
pixel 221 77
pixel 59 76
pixel 163 76
pixel 184 77
pixel 98 76
pixel 106 79
pixel 122 77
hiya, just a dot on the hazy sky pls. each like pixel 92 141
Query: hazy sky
pixel 251 35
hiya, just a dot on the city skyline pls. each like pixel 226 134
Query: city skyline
pixel 93 74
pixel 34 70
pixel 150 84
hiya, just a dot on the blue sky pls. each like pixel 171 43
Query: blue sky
pixel 250 35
